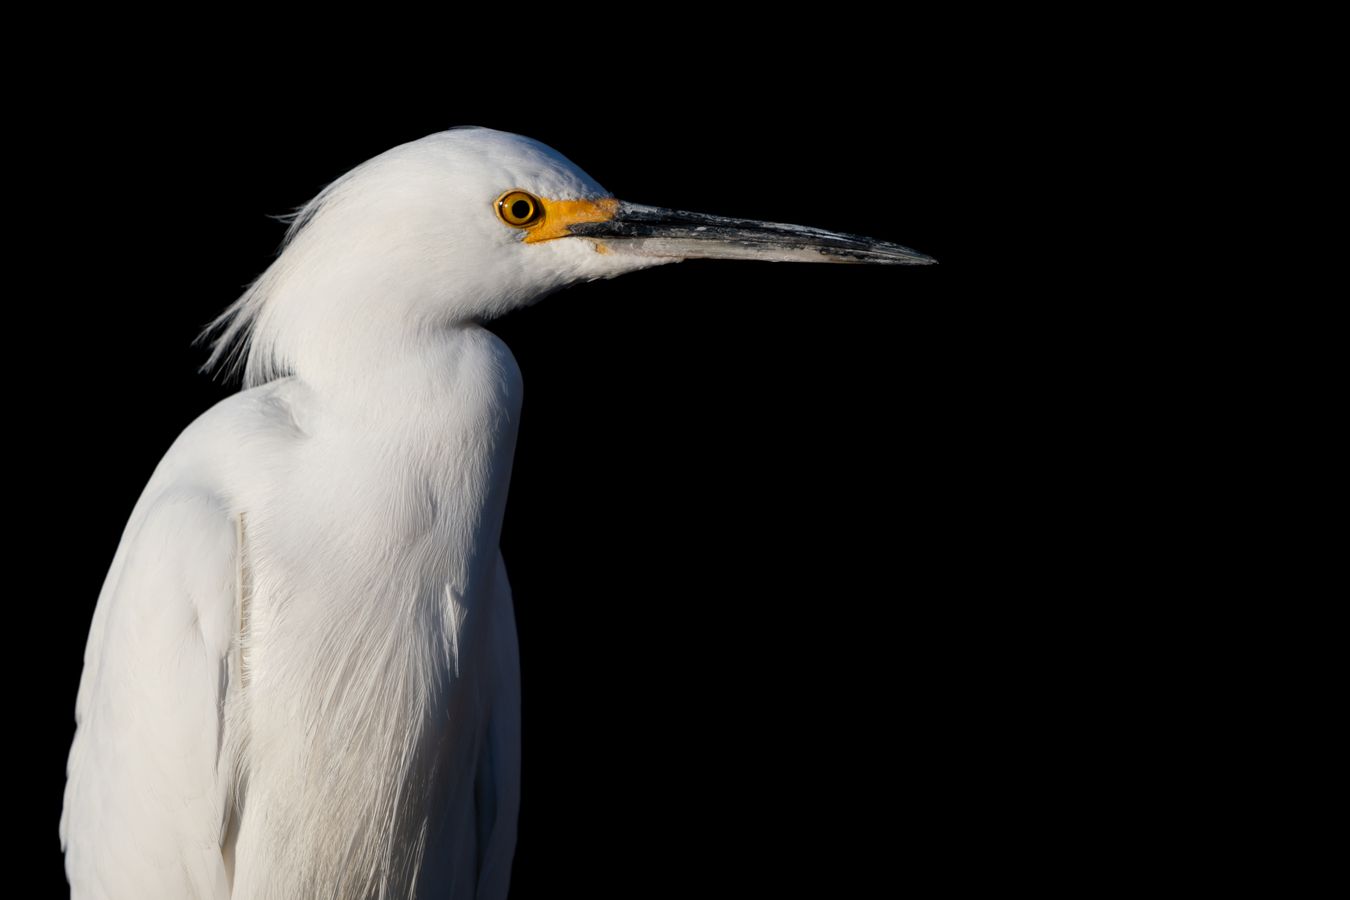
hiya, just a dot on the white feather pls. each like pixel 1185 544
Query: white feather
pixel 331 709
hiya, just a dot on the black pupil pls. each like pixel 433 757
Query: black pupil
pixel 521 209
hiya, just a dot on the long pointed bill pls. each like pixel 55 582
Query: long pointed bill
pixel 653 231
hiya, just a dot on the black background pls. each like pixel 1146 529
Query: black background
pixel 776 532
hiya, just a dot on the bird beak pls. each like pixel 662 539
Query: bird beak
pixel 652 231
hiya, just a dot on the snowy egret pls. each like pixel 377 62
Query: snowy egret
pixel 301 678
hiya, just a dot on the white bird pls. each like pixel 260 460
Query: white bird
pixel 301 678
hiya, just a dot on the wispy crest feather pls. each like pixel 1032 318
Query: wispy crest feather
pixel 238 346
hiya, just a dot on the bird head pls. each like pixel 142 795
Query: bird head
pixel 462 226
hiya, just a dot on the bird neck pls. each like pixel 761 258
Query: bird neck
pixel 382 374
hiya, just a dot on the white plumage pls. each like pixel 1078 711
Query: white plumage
pixel 301 678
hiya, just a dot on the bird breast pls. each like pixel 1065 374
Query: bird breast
pixel 370 554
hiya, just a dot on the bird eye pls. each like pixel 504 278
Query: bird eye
pixel 519 209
